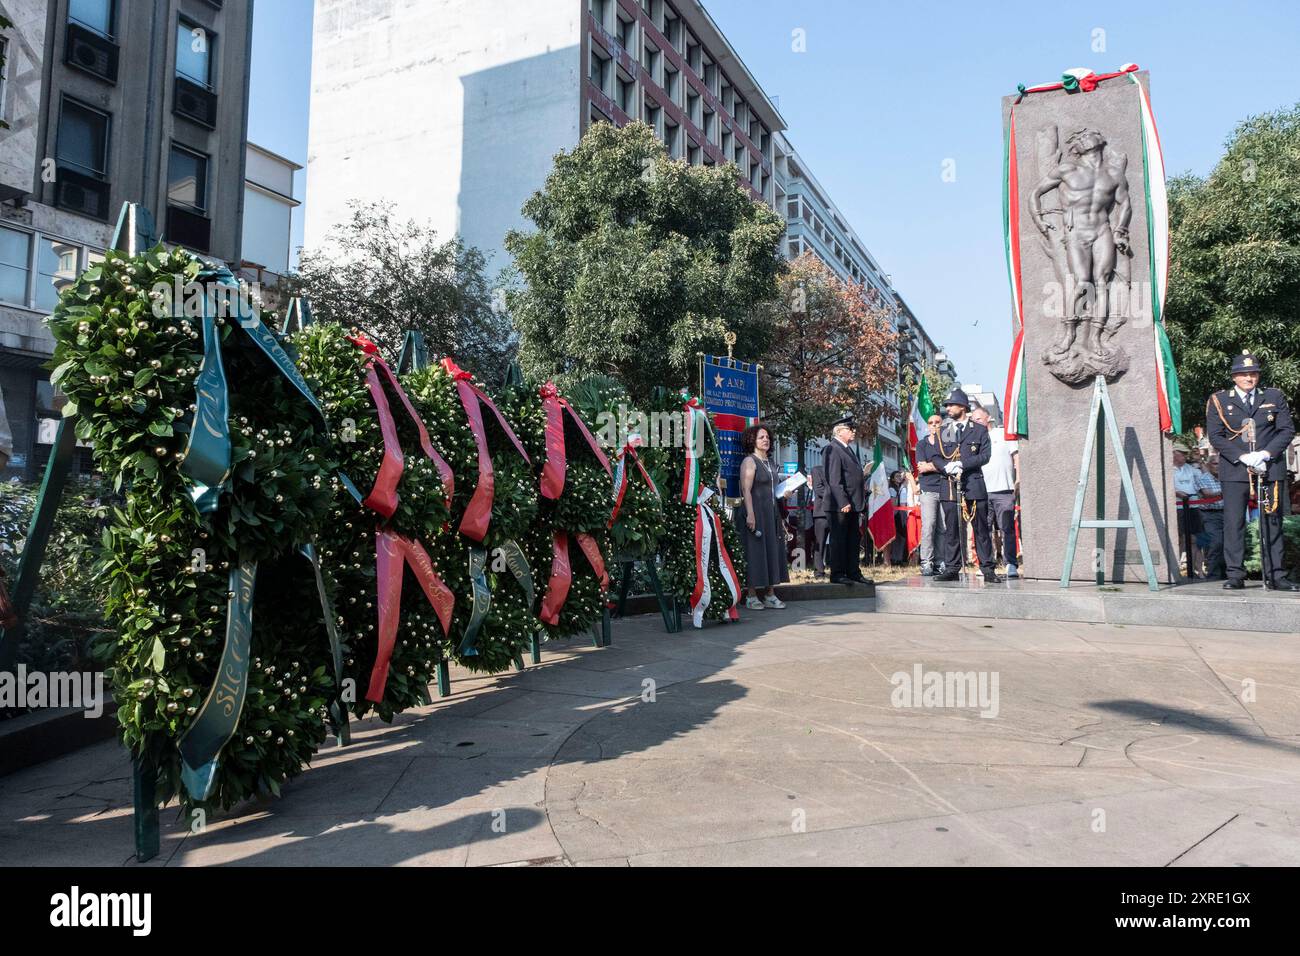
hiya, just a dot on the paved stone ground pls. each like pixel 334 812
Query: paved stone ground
pixel 1112 745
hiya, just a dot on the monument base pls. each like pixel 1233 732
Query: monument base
pixel 1200 604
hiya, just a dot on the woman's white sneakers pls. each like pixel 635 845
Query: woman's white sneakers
pixel 773 601
pixel 754 604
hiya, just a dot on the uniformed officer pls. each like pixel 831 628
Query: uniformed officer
pixel 932 481
pixel 1242 463
pixel 846 499
pixel 961 449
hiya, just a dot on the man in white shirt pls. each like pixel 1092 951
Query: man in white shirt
pixel 1001 480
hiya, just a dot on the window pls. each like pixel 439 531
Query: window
pixel 82 138
pixel 600 70
pixel 187 179
pixel 595 115
pixel 792 209
pixel 738 114
pixel 726 143
pixel 600 11
pixel 56 267
pixel 4 72
pixel 626 94
pixel 692 53
pixel 193 53
pixel 15 256
pixel 650 113
pixel 650 61
pixel 27 283
pixel 671 78
pixel 626 33
pixel 672 138
pixel 95 15
pixel 693 106
pixel 710 75
pixel 710 121
pixel 693 152
pixel 672 28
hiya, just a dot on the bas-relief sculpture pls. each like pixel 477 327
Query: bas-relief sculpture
pixel 1081 208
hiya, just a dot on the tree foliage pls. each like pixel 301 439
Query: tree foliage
pixel 1234 278
pixel 835 351
pixel 638 262
pixel 388 276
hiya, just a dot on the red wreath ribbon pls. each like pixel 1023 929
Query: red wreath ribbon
pixel 704 514
pixel 561 580
pixel 553 471
pixel 629 451
pixel 478 513
pixel 557 588
pixel 393 554
pixel 383 496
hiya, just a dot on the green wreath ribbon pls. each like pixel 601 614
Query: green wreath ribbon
pixel 200 745
pixel 207 451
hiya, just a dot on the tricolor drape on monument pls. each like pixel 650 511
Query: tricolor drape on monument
pixel 1083 82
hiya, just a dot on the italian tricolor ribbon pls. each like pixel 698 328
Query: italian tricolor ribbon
pixel 696 421
pixel 708 538
pixel 1168 396
pixel 1016 401
pixel 553 471
pixel 620 475
pixel 478 513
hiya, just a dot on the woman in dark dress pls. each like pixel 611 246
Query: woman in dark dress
pixel 760 530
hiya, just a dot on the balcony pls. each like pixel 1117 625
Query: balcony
pixel 189 227
pixel 195 103
pixel 88 51
pixel 79 193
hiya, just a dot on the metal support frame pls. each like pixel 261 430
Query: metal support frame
pixel 667 608
pixel 1101 422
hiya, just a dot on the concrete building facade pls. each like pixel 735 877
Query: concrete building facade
pixel 108 101
pixel 454 112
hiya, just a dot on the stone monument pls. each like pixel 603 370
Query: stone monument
pixel 1081 215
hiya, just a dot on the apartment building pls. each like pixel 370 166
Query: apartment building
pixel 108 101
pixel 815 224
pixel 454 109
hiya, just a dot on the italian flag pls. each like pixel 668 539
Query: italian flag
pixel 1015 404
pixel 922 409
pixel 880 507
pixel 1168 398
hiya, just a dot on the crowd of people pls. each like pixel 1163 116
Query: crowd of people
pixel 961 496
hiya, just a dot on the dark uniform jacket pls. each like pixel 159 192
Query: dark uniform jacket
pixel 926 450
pixel 844 480
pixel 818 475
pixel 976 450
pixel 1274 430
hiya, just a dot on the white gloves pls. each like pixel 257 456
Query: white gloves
pixel 1254 459
pixel 953 468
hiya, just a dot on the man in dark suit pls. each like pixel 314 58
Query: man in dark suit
pixel 846 499
pixel 1231 416
pixel 820 518
pixel 963 448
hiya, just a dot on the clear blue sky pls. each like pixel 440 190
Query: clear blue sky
pixel 886 92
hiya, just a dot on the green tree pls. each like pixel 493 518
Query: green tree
pixel 386 277
pixel 835 352
pixel 639 261
pixel 1234 277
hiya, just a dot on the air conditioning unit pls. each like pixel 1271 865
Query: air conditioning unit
pixel 77 192
pixel 195 103
pixel 189 228
pixel 87 50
